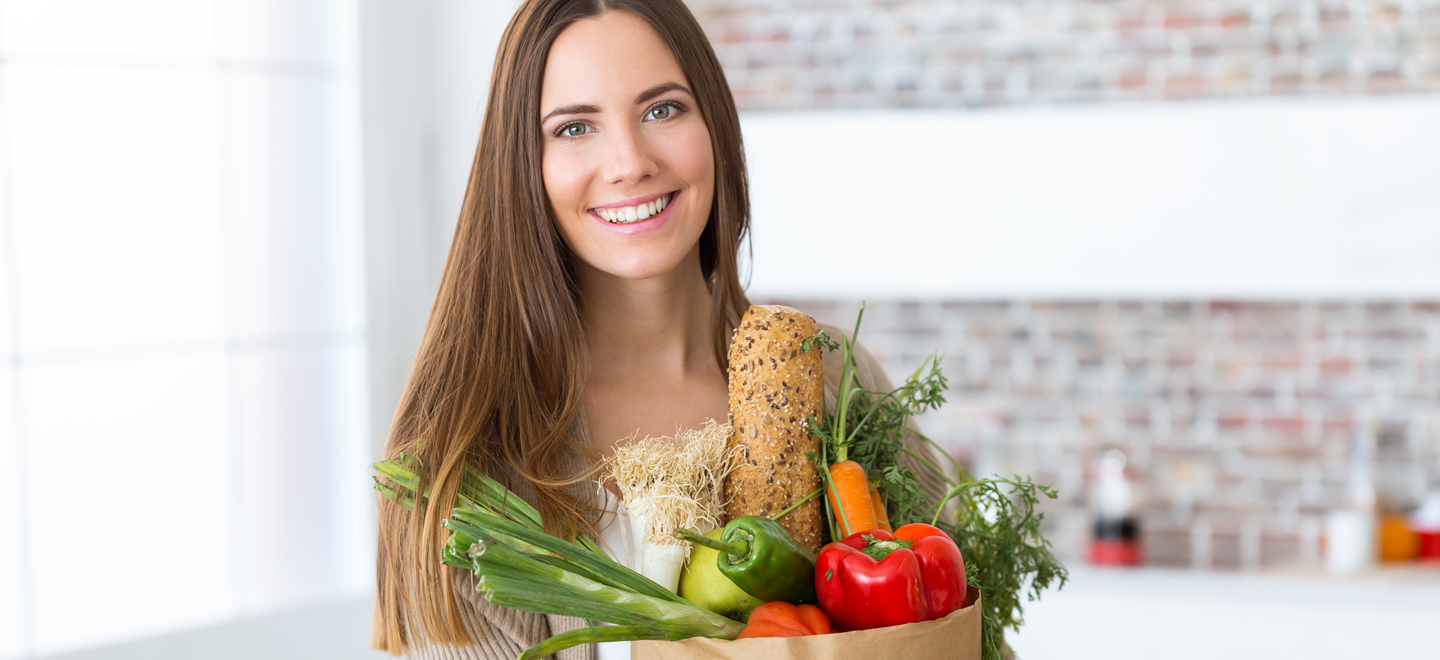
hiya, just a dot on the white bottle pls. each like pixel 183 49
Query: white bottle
pixel 1350 530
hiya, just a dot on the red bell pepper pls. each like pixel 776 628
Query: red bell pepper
pixel 873 579
pixel 942 569
pixel 860 591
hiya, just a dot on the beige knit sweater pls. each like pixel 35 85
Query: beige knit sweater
pixel 502 633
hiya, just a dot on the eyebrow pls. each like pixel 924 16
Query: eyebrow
pixel 581 109
pixel 578 109
pixel 658 90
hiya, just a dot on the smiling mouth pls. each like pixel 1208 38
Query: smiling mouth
pixel 624 215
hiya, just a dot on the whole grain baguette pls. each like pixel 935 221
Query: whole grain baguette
pixel 774 389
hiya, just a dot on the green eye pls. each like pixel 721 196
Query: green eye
pixel 662 112
pixel 575 130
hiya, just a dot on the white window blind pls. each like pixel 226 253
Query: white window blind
pixel 183 422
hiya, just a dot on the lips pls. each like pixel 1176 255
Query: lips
pixel 618 217
pixel 633 210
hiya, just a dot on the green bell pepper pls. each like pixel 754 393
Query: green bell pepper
pixel 759 556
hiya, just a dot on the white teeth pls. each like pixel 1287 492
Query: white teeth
pixel 631 214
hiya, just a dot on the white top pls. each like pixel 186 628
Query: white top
pixel 615 538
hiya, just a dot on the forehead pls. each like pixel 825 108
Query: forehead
pixel 612 56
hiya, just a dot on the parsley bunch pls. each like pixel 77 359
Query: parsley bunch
pixel 993 521
pixel 998 531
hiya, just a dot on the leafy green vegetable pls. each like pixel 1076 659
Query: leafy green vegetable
pixel 819 339
pixel 501 539
pixel 998 531
pixel 994 521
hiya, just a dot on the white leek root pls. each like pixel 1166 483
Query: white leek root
pixel 670 484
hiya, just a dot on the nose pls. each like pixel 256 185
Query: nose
pixel 630 159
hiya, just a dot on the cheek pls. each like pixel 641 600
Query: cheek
pixel 565 182
pixel 695 163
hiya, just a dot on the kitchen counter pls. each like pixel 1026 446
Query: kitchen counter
pixel 1294 612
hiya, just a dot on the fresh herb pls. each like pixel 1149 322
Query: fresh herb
pixel 998 530
pixel 993 521
pixel 819 339
pixel 882 421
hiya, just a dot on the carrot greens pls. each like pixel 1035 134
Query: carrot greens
pixel 993 521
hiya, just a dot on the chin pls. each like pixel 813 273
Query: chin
pixel 644 267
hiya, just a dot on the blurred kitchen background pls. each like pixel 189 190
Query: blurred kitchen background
pixel 1181 259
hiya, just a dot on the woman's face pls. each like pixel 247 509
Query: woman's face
pixel 626 159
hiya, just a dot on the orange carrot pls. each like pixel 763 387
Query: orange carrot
pixel 882 517
pixel 852 491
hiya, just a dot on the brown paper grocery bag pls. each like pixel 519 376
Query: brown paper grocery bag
pixel 955 636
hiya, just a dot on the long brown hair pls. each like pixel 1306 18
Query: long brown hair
pixel 499 375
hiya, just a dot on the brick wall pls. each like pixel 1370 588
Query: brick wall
pixel 1244 421
pixel 797 54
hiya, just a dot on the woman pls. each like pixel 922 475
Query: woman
pixel 589 294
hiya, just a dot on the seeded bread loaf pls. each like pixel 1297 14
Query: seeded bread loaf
pixel 774 389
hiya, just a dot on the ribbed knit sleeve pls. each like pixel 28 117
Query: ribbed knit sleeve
pixel 502 633
pixel 560 624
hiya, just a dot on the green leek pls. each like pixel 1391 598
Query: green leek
pixel 500 538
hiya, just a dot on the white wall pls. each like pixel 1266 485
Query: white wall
pixel 1282 198
pixel 425 72
pixel 182 366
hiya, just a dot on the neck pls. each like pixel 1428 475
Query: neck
pixel 660 323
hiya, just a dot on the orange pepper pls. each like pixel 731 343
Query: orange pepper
pixel 781 619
